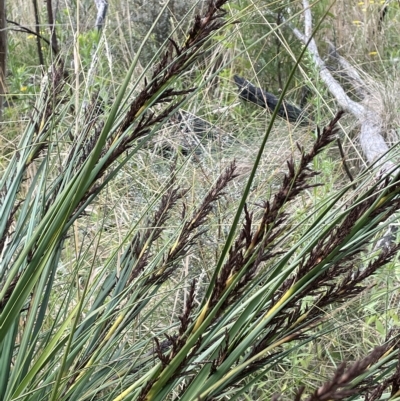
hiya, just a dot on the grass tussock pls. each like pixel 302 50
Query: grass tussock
pixel 133 273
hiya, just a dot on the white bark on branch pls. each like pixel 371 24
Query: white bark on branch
pixel 350 72
pixel 371 139
pixel 102 7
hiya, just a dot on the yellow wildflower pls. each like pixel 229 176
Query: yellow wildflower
pixel 30 36
pixel 23 88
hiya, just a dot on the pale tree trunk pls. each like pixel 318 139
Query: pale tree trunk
pixel 3 53
pixel 371 125
pixel 371 137
pixel 102 6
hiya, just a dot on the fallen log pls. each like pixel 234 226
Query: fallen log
pixel 250 93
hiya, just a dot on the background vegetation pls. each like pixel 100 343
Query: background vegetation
pixel 162 239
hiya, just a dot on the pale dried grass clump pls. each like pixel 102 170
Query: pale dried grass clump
pixel 391 101
pixel 382 97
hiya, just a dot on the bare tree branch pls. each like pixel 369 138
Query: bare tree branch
pixel 349 72
pixel 371 139
pixel 102 7
pixel 26 30
pixel 37 28
pixel 50 18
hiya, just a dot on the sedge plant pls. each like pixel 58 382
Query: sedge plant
pixel 94 336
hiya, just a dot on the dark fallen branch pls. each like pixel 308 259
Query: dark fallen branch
pixel 249 92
